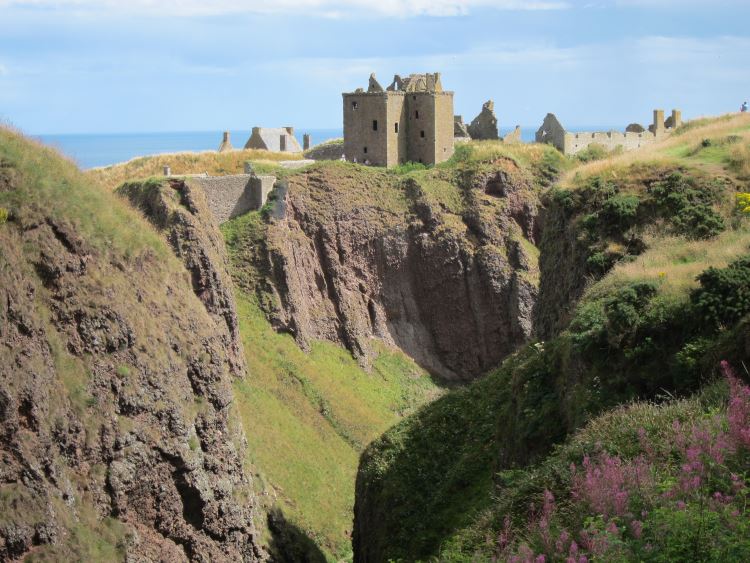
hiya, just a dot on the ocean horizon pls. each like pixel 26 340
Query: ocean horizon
pixel 93 150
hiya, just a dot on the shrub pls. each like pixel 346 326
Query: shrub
pixel 724 294
pixel 4 214
pixel 743 203
pixel 681 496
pixel 688 205
pixel 620 211
pixel 593 152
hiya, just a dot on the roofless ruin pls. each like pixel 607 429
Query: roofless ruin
pixel 410 121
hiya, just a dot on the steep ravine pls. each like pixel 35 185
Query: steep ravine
pixel 438 264
pixel 116 369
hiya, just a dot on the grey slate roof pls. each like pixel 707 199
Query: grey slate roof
pixel 269 138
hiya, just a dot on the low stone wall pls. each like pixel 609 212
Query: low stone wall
pixel 331 150
pixel 230 196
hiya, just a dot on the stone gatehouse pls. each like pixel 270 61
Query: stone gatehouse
pixel 411 120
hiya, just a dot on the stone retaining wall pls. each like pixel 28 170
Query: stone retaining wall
pixel 230 196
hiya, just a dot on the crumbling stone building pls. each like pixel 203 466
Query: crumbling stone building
pixel 635 136
pixel 411 120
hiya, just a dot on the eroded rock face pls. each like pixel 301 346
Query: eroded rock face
pixel 484 125
pixel 456 297
pixel 115 388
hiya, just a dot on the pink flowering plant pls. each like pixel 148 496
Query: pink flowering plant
pixel 679 492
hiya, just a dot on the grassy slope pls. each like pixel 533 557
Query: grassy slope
pixel 552 388
pixel 307 417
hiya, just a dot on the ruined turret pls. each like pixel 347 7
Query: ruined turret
pixel 484 125
pixel 226 144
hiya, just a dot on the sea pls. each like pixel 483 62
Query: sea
pixel 95 150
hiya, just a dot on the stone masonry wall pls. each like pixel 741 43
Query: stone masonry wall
pixel 360 111
pixel 576 142
pixel 230 196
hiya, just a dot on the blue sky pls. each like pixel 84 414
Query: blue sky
pixel 179 65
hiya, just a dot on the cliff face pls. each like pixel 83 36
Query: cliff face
pixel 436 264
pixel 116 363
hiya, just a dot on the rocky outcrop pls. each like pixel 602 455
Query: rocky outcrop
pixel 484 126
pixel 181 212
pixel 116 364
pixel 362 256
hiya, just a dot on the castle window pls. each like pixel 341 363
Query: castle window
pixel 416 114
pixel 374 124
pixel 421 134
pixel 413 97
pixel 355 105
pixel 395 127
pixel 365 150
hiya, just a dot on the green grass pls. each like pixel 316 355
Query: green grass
pixel 44 181
pixel 307 416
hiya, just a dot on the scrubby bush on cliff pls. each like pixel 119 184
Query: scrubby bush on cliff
pixel 724 295
pixel 649 491
pixel 688 205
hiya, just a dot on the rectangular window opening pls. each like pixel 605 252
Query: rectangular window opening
pixel 416 114
pixel 365 151
pixel 355 105
pixel 421 134
pixel 374 124
pixel 395 127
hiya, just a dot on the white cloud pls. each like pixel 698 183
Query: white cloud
pixel 323 8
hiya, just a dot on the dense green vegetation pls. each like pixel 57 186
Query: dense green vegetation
pixel 664 252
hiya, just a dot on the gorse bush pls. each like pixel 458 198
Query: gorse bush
pixel 681 496
pixel 724 295
pixel 743 203
pixel 688 205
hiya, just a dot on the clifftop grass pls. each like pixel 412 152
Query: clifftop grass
pixel 214 163
pixel 42 180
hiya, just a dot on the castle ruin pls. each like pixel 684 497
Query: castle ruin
pixel 634 137
pixel 411 120
pixel 279 139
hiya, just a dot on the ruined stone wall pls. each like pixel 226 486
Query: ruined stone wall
pixel 611 140
pixel 360 111
pixel 230 196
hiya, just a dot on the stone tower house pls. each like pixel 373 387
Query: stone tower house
pixel 411 120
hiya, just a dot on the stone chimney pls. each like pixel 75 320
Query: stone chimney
pixel 306 141
pixel 226 144
pixel 676 118
pixel 167 170
pixel 658 121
